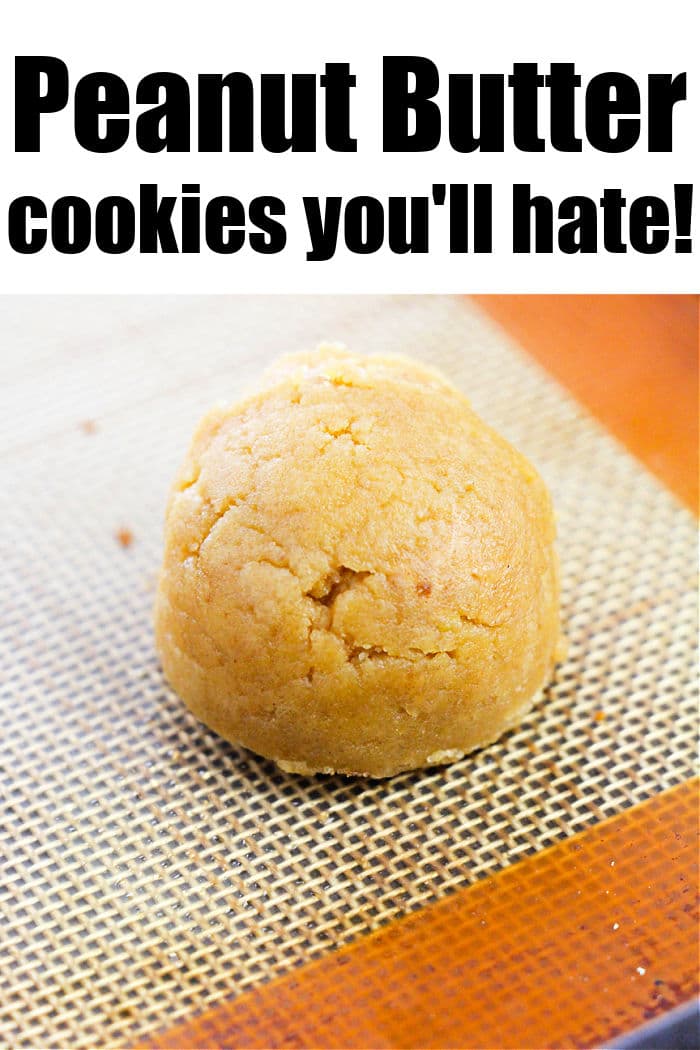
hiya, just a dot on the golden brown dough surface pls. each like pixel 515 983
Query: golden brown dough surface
pixel 359 574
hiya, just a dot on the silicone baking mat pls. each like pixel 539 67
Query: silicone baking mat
pixel 564 949
pixel 150 869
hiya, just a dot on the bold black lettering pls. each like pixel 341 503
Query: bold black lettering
pixel 273 112
pixel 400 239
pixel 155 221
pixel 337 81
pixel 323 230
pixel 613 204
pixel 190 219
pixel 210 109
pixel 580 234
pixel 562 83
pixel 173 112
pixel 649 225
pixel 523 208
pixel 463 137
pixel 683 201
pixel 22 239
pixel 71 225
pixel 31 102
pixel 525 81
pixel 224 225
pixel 398 100
pixel 364 225
pixel 664 91
pixel 459 218
pixel 115 225
pixel 273 235
pixel 601 106
pixel 95 95
pixel 483 218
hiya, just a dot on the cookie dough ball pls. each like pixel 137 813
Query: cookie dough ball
pixel 359 574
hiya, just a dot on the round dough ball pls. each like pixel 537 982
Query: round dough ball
pixel 359 574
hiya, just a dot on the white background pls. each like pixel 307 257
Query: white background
pixel 132 39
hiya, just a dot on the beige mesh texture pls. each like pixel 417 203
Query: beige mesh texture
pixel 148 868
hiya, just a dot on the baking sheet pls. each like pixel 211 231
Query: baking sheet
pixel 147 867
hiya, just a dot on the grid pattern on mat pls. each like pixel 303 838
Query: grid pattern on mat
pixel 148 868
pixel 570 939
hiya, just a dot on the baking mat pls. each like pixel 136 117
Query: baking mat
pixel 563 949
pixel 148 868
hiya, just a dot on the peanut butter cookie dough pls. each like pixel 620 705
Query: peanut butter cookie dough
pixel 359 574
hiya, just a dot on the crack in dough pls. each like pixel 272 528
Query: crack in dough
pixel 335 583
